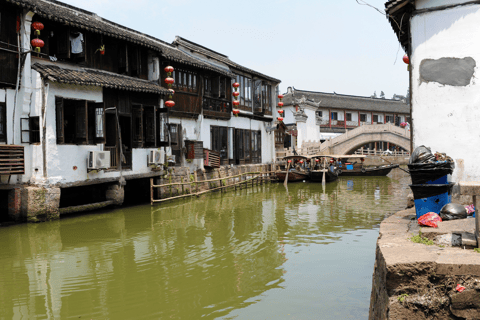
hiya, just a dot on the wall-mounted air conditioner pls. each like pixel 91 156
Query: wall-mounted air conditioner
pixel 98 160
pixel 156 157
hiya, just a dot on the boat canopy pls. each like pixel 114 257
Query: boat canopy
pixel 339 156
pixel 295 157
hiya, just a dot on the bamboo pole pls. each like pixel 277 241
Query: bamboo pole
pixel 201 192
pixel 286 175
pixel 151 191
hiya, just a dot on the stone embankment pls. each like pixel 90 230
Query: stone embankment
pixel 419 280
pixel 35 203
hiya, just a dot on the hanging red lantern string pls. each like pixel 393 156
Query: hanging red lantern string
pixel 169 81
pixel 235 102
pixel 280 105
pixel 37 43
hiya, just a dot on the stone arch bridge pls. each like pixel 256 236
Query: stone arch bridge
pixel 350 141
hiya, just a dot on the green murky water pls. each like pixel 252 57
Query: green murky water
pixel 261 253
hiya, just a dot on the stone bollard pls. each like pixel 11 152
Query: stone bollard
pixel 116 193
pixel 40 204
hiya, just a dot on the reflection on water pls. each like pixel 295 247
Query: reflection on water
pixel 261 253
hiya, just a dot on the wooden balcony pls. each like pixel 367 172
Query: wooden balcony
pixel 216 108
pixel 12 160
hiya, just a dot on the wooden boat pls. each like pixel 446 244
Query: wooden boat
pixel 297 171
pixel 323 165
pixel 352 165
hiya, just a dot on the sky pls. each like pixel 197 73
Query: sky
pixel 315 45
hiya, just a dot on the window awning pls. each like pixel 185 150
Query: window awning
pixel 93 77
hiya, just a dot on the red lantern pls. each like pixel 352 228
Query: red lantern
pixel 317 160
pixel 236 85
pixel 280 96
pixel 301 161
pixel 280 104
pixel 168 69
pixel 170 103
pixel 169 80
pixel 406 59
pixel 280 112
pixel 38 26
pixel 38 43
pixel 236 103
pixel 289 161
pixel 331 161
pixel 171 91
pixel 280 119
pixel 235 112
pixel 236 94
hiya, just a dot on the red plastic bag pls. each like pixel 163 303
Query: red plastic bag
pixel 429 219
pixel 459 288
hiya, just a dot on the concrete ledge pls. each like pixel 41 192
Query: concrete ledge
pixel 417 281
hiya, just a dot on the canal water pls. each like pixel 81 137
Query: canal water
pixel 258 253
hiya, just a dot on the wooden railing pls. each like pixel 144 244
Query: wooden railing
pixel 236 180
pixel 12 160
pixel 375 152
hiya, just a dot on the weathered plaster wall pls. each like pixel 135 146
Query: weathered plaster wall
pixel 446 117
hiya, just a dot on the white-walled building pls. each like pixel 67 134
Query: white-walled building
pixel 87 115
pixel 440 40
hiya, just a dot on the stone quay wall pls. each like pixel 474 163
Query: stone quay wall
pixel 418 281
pixel 36 203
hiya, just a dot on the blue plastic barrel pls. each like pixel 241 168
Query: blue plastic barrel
pixel 431 197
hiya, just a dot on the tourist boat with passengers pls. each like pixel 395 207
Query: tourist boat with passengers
pixel 352 165
pixel 297 169
pixel 323 167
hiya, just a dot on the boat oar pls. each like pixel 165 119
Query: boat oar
pixel 286 176
pixel 393 163
pixel 324 170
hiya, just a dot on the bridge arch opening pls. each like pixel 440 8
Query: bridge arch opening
pixel 378 146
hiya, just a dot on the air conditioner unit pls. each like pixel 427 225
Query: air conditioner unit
pixel 98 160
pixel 156 157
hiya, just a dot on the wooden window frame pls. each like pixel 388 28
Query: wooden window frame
pixel 348 116
pixel 334 115
pixel 363 117
pixel 81 122
pixel 219 137
pixel 30 130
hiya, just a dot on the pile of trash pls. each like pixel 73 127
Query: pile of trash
pixel 431 187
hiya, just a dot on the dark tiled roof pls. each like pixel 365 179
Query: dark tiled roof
pixel 82 19
pixel 219 57
pixel 93 77
pixel 340 101
pixel 398 14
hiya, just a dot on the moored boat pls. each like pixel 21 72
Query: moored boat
pixel 352 165
pixel 297 169
pixel 321 167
